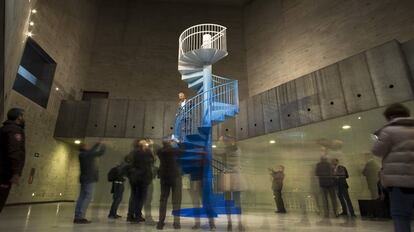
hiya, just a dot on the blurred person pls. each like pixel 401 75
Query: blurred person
pixel 395 145
pixel 182 99
pixel 341 174
pixel 12 152
pixel 140 176
pixel 324 172
pixel 278 177
pixel 89 175
pixel 370 172
pixel 231 153
pixel 116 176
pixel 154 169
pixel 170 180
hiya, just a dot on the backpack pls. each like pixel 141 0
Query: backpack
pixel 113 174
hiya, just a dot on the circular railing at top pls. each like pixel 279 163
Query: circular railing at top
pixel 192 38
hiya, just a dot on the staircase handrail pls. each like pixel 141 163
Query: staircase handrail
pixel 194 102
pixel 217 32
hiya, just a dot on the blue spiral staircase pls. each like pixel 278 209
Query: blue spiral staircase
pixel 217 98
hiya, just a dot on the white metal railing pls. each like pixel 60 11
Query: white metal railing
pixel 192 115
pixel 192 38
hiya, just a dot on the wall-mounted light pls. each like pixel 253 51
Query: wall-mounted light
pixel 34 11
pixel 31 23
pixel 359 118
pixel 57 88
pixel 346 127
pixel 60 194
pixel 214 146
pixel 77 141
pixel 33 194
pixel 272 141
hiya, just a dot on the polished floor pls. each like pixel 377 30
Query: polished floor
pixel 58 217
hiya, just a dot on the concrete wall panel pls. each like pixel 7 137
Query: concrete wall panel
pixel 241 122
pixel 289 115
pixel 356 84
pixel 308 100
pixel 390 73
pixel 154 116
pixel 331 98
pixel 271 114
pixel 255 116
pixel 116 119
pixel 97 118
pixel 135 119
pixel 170 110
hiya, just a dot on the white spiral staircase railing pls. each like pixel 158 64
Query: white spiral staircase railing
pixel 217 97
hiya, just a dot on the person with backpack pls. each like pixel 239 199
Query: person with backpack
pixel 116 176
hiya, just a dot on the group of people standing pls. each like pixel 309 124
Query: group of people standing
pixel 139 168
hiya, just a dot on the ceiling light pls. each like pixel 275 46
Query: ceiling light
pixel 34 11
pixel 57 88
pixel 30 34
pixel 77 141
pixel 346 127
pixel 359 117
pixel 272 141
pixel 31 23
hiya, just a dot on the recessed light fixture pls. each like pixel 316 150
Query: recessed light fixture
pixel 34 11
pixel 77 141
pixel 30 34
pixel 31 23
pixel 57 88
pixel 214 146
pixel 346 127
pixel 272 141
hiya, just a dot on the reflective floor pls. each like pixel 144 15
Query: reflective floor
pixel 58 217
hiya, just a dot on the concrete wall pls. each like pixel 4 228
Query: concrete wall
pixel 65 30
pixel 289 39
pixel 136 47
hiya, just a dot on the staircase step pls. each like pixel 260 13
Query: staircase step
pixel 204 130
pixel 192 76
pixel 196 137
pixel 196 84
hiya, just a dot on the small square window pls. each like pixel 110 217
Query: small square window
pixel 35 74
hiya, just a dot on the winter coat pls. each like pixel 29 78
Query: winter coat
pixel 395 144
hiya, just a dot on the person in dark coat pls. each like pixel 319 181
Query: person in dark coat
pixel 277 185
pixel 341 174
pixel 140 176
pixel 89 175
pixel 170 180
pixel 12 152
pixel 117 190
pixel 324 172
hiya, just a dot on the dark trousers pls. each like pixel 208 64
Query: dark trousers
pixel 345 200
pixel 328 192
pixel 401 209
pixel 175 187
pixel 277 193
pixel 137 199
pixel 4 194
pixel 117 193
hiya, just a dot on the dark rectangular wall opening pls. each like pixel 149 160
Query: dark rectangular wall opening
pixel 88 95
pixel 35 74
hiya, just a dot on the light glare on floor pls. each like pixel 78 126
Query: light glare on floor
pixel 346 127
pixel 272 141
